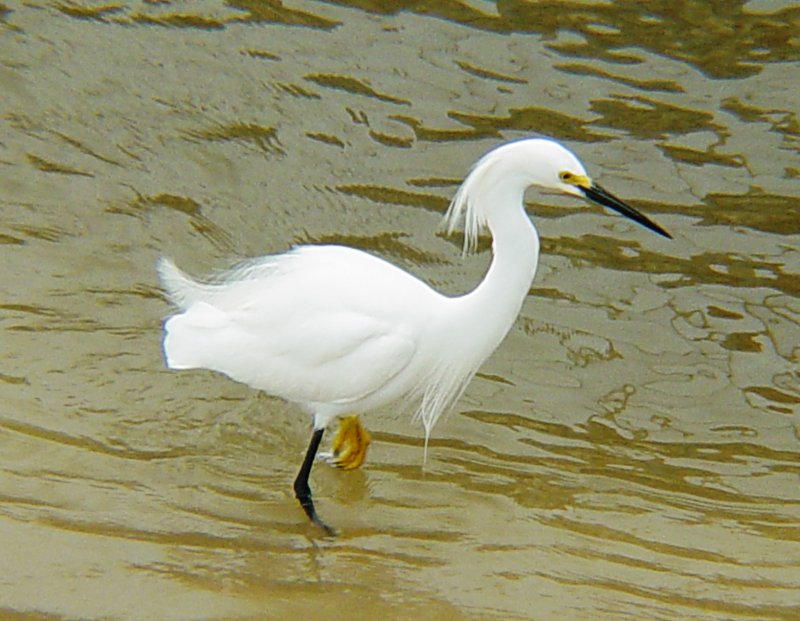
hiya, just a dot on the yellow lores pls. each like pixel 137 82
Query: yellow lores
pixel 580 181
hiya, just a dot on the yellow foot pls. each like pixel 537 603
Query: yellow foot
pixel 350 444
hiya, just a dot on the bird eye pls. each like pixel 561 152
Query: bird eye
pixel 566 176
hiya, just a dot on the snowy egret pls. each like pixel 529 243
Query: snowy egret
pixel 339 331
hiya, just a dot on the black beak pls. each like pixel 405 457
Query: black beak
pixel 602 197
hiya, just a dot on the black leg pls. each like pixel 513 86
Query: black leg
pixel 301 487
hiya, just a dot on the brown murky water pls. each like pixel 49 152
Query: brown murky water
pixel 631 452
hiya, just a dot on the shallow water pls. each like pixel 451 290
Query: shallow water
pixel 630 452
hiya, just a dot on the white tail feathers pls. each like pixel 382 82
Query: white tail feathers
pixel 186 335
pixel 192 339
pixel 181 289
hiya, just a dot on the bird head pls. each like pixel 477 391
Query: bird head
pixel 505 172
pixel 558 169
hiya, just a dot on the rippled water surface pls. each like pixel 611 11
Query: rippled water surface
pixel 630 452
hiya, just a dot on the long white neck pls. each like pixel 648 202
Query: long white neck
pixel 492 307
pixel 473 325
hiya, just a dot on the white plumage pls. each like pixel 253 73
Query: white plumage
pixel 337 330
pixel 330 328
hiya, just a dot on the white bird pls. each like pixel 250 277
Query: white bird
pixel 339 331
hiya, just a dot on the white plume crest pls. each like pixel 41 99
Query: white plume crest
pixel 501 177
pixel 464 207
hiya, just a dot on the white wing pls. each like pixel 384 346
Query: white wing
pixel 321 324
